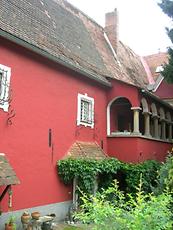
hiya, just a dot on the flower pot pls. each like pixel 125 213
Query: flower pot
pixel 25 218
pixel 35 215
pixel 9 226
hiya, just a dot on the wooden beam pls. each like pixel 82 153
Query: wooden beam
pixel 4 192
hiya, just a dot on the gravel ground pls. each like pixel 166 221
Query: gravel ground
pixel 65 227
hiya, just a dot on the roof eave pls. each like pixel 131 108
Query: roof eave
pixel 43 53
pixel 143 91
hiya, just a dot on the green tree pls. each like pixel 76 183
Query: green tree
pixel 167 8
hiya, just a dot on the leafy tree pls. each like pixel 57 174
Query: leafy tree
pixel 167 8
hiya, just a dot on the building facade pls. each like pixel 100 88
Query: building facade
pixel 64 79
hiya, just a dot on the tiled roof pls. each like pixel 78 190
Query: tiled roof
pixel 7 174
pixel 156 60
pixel 86 150
pixel 61 30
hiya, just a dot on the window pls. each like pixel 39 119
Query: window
pixel 85 114
pixel 5 73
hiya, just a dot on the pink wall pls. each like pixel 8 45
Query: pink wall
pixel 44 96
pixel 137 149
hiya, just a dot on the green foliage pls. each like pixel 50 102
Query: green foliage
pixel 148 169
pixel 165 176
pixel 143 212
pixel 167 7
pixel 107 170
pixel 168 68
pixel 86 170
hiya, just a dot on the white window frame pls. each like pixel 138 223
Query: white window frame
pixel 90 100
pixel 5 87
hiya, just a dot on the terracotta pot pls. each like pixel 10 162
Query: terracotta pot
pixel 25 218
pixel 9 226
pixel 35 215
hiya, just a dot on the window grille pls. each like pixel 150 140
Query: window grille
pixel 85 110
pixel 5 73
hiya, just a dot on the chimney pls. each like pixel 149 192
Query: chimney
pixel 111 28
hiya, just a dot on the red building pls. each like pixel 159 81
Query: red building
pixel 159 86
pixel 65 79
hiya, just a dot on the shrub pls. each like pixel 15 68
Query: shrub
pixel 107 170
pixel 165 176
pixel 143 212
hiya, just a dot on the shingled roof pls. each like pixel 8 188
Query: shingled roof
pixel 7 174
pixel 86 150
pixel 64 32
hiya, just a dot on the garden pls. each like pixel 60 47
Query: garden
pixel 116 195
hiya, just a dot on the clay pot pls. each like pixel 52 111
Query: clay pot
pixel 25 218
pixel 9 226
pixel 35 215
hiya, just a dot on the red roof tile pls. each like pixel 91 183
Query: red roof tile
pixel 87 150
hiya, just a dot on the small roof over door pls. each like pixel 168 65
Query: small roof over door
pixel 7 173
pixel 86 150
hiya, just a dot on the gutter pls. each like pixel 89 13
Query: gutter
pixel 53 58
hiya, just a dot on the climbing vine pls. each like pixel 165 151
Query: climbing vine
pixel 106 171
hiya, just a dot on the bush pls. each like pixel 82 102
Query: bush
pixel 107 170
pixel 165 176
pixel 140 213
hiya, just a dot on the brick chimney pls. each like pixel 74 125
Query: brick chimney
pixel 111 28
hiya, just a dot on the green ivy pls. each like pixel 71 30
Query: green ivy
pixel 107 170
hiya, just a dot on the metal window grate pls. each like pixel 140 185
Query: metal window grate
pixel 86 111
pixel 3 85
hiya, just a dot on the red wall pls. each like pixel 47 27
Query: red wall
pixel 44 96
pixel 120 89
pixel 137 149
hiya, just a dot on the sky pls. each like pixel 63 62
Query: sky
pixel 141 22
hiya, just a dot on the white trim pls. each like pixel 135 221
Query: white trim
pixel 5 88
pixel 157 83
pixel 112 49
pixel 91 101
pixel 109 114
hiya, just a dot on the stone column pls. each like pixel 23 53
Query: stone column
pixel 147 124
pixel 136 120
pixel 163 129
pixel 156 126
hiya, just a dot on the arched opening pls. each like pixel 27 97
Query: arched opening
pixel 162 124
pixel 154 121
pixel 144 117
pixel 119 116
pixel 168 126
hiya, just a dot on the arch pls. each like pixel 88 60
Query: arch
pixel 168 116
pixel 153 109
pixel 162 113
pixel 114 102
pixel 154 126
pixel 144 105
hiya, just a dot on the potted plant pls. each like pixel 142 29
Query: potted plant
pixel 11 224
